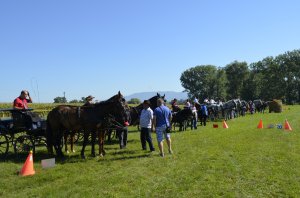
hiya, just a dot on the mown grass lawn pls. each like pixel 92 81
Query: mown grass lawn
pixel 241 161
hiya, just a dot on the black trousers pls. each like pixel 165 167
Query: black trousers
pixel 146 136
pixel 122 135
pixel 203 120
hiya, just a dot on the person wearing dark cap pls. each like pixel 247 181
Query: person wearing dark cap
pixel 89 100
pixel 22 101
pixel 174 105
pixel 146 120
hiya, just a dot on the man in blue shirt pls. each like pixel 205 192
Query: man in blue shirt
pixel 161 121
pixel 204 114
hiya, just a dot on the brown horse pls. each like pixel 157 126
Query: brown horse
pixel 88 119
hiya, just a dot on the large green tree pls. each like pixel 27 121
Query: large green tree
pixel 271 81
pixel 237 73
pixel 204 81
pixel 289 64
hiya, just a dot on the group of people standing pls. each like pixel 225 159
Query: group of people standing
pixel 159 121
pixel 199 110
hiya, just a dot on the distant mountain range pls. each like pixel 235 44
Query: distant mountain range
pixel 170 95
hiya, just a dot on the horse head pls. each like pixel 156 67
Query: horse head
pixel 153 100
pixel 115 106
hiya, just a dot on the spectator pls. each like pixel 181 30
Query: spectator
pixel 146 120
pixel 161 121
pixel 195 117
pixel 122 135
pixel 187 104
pixel 204 114
pixel 174 105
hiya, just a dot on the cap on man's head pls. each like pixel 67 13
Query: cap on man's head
pixel 146 102
pixel 89 97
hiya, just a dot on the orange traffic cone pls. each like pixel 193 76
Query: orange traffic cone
pixel 225 126
pixel 287 125
pixel 260 125
pixel 27 168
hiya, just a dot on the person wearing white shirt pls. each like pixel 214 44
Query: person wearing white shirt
pixel 187 104
pixel 196 100
pixel 146 120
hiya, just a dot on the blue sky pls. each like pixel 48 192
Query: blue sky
pixel 101 47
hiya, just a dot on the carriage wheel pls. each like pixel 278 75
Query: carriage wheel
pixel 23 144
pixel 40 141
pixel 4 145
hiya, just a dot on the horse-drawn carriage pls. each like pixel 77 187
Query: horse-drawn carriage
pixel 23 130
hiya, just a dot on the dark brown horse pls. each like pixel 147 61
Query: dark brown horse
pixel 135 112
pixel 90 119
pixel 182 117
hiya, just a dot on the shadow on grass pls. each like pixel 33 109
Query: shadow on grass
pixel 115 154
pixel 21 157
pixel 130 157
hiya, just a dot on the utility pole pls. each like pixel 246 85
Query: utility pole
pixel 65 100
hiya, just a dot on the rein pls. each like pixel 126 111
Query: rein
pixel 115 124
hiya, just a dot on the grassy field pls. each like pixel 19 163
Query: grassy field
pixel 241 161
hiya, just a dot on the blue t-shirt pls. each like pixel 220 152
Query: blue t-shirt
pixel 204 110
pixel 162 114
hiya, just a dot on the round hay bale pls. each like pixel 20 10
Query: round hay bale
pixel 275 106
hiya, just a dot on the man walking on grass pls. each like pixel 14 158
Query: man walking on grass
pixel 161 121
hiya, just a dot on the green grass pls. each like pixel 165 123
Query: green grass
pixel 241 161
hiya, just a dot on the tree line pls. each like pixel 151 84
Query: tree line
pixel 271 78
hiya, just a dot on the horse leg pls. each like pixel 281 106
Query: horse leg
pixel 85 139
pixel 109 132
pixel 101 137
pixel 66 142
pixel 50 149
pixel 93 143
pixel 50 146
pixel 58 145
pixel 72 140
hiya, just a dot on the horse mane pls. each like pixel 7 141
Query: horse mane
pixel 113 99
pixel 103 103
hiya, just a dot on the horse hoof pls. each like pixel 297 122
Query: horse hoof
pixel 93 155
pixel 68 152
pixel 73 151
pixel 83 157
pixel 101 155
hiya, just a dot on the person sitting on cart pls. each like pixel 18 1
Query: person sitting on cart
pixel 22 101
